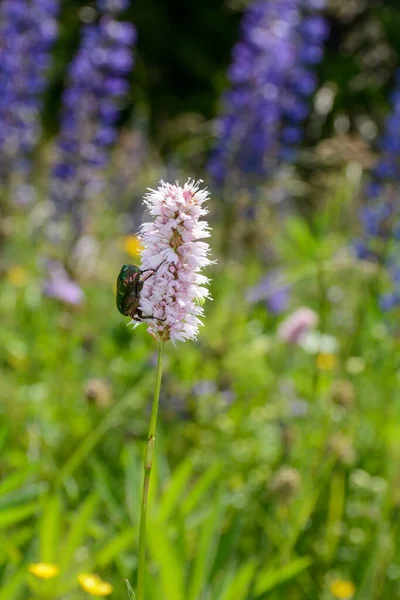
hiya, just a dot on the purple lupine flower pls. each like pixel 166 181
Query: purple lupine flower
pixel 271 80
pixel 380 216
pixel 28 30
pixel 301 82
pixel 92 102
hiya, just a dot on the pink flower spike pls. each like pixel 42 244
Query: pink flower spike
pixel 174 295
pixel 293 328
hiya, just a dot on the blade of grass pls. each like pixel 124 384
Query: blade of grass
pixel 240 584
pixel 49 529
pixel 13 481
pixel 130 590
pixel 115 547
pixel 133 483
pixel 78 530
pixel 12 516
pixel 268 580
pixel 101 478
pixel 205 554
pixel 11 589
pixel 90 440
pixel 335 514
pixel 22 494
pixel 195 495
pixel 175 488
pixel 170 566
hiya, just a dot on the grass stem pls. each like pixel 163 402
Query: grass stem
pixel 148 463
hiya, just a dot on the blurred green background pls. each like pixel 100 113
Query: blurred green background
pixel 277 462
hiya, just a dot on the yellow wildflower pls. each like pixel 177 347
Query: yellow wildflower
pixel 342 589
pixel 326 362
pixel 44 570
pixel 132 245
pixel 94 585
pixel 17 275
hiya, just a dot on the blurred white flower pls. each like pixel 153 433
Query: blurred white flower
pixel 355 365
pixel 315 342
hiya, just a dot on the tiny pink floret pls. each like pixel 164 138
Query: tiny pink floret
pixel 174 294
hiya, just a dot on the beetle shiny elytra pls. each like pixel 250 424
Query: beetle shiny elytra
pixel 129 285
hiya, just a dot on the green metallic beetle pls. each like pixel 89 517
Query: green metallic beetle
pixel 129 285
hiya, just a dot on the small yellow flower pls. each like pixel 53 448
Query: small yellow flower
pixel 17 275
pixel 95 586
pixel 44 570
pixel 132 245
pixel 342 589
pixel 326 362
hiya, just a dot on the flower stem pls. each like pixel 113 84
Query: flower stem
pixel 148 463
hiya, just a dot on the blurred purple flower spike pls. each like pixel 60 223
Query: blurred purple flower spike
pixel 380 217
pixel 272 78
pixel 278 300
pixel 273 291
pixel 28 31
pixel 60 287
pixel 92 102
pixel 64 290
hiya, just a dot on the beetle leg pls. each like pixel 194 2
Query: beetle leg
pixel 153 271
pixel 152 317
pixel 147 276
pixel 141 317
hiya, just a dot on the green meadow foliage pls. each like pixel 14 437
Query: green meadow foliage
pixel 277 458
pixel 277 465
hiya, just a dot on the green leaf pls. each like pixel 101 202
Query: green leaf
pixel 298 238
pixel 206 550
pixel 240 584
pixel 22 494
pixel 175 488
pixel 11 545
pixel 11 589
pixel 12 516
pixel 133 482
pixel 223 582
pixel 78 530
pixel 303 509
pixel 227 544
pixel 13 481
pixel 270 579
pixel 171 569
pixel 195 495
pixel 114 547
pixel 112 419
pixel 101 479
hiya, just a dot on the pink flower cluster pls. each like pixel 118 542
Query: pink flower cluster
pixel 296 325
pixel 173 296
